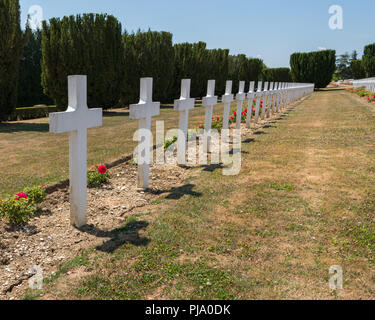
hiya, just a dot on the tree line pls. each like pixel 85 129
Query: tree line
pixel 34 65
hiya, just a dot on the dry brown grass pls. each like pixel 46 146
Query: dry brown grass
pixel 303 202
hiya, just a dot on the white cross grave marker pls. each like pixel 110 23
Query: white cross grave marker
pixel 240 97
pixel 144 111
pixel 250 97
pixel 265 96
pixel 275 95
pixel 208 102
pixel 270 97
pixel 259 97
pixel 279 96
pixel 183 105
pixel 227 100
pixel 76 120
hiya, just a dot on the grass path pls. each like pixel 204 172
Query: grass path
pixel 304 201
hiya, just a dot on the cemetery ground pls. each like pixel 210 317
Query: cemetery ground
pixel 304 201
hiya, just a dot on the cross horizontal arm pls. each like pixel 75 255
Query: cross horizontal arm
pixel 144 110
pixel 68 121
pixel 184 104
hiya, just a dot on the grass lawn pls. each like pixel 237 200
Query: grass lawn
pixel 304 201
pixel 30 155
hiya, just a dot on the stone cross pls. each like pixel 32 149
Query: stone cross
pixel 227 100
pixel 144 111
pixel 240 97
pixel 270 94
pixel 259 98
pixel 208 102
pixel 183 106
pixel 76 120
pixel 279 96
pixel 265 96
pixel 275 95
pixel 250 97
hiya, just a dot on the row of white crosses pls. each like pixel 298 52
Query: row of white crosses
pixel 368 83
pixel 78 118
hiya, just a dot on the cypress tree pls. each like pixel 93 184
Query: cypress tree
pixel 246 69
pixel 147 54
pixel 190 62
pixel 277 75
pixel 90 44
pixel 313 67
pixel 357 69
pixel 12 41
pixel 30 91
pixel 368 60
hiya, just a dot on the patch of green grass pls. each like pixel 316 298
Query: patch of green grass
pixel 287 186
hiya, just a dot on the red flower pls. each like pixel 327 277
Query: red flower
pixel 231 117
pixel 217 118
pixel 253 110
pixel 245 110
pixel 200 126
pixel 235 113
pixel 102 169
pixel 21 195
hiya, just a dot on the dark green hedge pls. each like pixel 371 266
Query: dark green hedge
pixel 357 69
pixel 30 91
pixel 313 67
pixel 242 68
pixel 90 44
pixel 147 54
pixel 12 41
pixel 31 113
pixel 368 60
pixel 277 75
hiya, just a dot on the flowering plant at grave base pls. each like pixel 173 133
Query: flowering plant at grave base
pixel 19 209
pixel 169 142
pixel 97 176
pixel 362 92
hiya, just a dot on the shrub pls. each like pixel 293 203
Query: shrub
pixel 356 66
pixel 277 75
pixel 89 44
pixel 97 176
pixel 30 91
pixel 313 67
pixel 368 60
pixel 147 54
pixel 36 195
pixel 12 41
pixel 169 142
pixel 31 113
pixel 17 211
pixel 20 208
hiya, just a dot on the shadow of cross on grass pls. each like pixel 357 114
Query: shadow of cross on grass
pixel 127 234
pixel 177 192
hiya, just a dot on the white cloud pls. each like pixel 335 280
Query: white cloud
pixel 321 48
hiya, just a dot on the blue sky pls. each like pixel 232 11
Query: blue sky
pixel 271 29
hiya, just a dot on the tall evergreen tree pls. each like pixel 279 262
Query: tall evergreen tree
pixel 147 54
pixel 30 91
pixel 313 67
pixel 89 44
pixel 368 60
pixel 190 62
pixel 357 69
pixel 277 75
pixel 246 69
pixel 12 41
